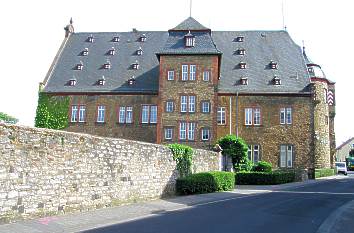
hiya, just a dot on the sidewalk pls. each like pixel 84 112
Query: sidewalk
pixel 76 222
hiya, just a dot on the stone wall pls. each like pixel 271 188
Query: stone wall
pixel 47 171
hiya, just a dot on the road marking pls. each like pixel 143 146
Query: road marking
pixel 307 192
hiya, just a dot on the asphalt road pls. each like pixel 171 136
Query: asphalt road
pixel 304 209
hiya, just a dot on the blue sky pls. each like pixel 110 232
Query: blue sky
pixel 32 31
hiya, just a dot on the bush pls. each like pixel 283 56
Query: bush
pixel 236 148
pixel 262 166
pixel 183 155
pixel 264 178
pixel 323 172
pixel 205 182
pixel 351 153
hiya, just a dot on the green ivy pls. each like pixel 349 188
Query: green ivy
pixel 7 118
pixel 52 111
pixel 183 155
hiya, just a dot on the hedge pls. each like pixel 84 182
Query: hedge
pixel 205 182
pixel 323 172
pixel 264 178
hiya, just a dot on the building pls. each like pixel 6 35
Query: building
pixel 343 150
pixel 192 85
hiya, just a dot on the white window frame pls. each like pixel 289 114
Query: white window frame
pixel 82 113
pixel 129 115
pixel 145 112
pixel 74 111
pixel 191 103
pixel 169 106
pixel 248 116
pixel 191 131
pixel 170 75
pixel 206 76
pixel 286 156
pixel 286 116
pixel 289 116
pixel 254 152
pixel 183 130
pixel 192 72
pixel 168 133
pixel 184 76
pixel 153 114
pixel 221 116
pixel 122 115
pixel 256 116
pixel 101 110
pixel 205 134
pixel 205 107
pixel 184 104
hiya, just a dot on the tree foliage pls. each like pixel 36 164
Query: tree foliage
pixel 7 118
pixel 183 155
pixel 52 111
pixel 235 147
pixel 351 153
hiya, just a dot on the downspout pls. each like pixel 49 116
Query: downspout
pixel 230 115
pixel 236 114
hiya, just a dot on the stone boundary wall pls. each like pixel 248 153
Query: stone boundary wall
pixel 45 172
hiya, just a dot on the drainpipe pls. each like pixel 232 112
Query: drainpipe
pixel 230 115
pixel 236 114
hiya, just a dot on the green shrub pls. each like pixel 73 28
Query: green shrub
pixel 205 182
pixel 236 148
pixel 264 178
pixel 262 166
pixel 183 156
pixel 351 153
pixel 323 172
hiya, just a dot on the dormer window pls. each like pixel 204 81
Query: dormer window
pixel 107 65
pixel 90 39
pixel 310 69
pixel 135 65
pixel 72 82
pixel 241 52
pixel 139 52
pixel 276 80
pixel 244 81
pixel 240 39
pixel 80 66
pixel 84 52
pixel 273 65
pixel 116 39
pixel 131 81
pixel 242 65
pixel 143 38
pixel 189 40
pixel 112 51
pixel 101 81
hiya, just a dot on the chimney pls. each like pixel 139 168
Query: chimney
pixel 69 29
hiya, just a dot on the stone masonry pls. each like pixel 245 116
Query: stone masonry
pixel 47 171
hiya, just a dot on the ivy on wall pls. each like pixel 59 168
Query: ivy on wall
pixel 183 155
pixel 52 111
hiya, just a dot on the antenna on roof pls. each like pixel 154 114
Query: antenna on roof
pixel 282 12
pixel 190 8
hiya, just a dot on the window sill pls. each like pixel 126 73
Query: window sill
pixel 100 123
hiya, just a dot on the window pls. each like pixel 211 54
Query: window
pixel 252 116
pixel 100 113
pixel 254 153
pixel 325 95
pixel 82 113
pixel 90 39
pixel 286 156
pixel 85 52
pixel 206 76
pixel 116 39
pixel 191 104
pixel 80 66
pixel 244 81
pixel 239 39
pixel 139 52
pixel 276 80
pixel 170 75
pixel 125 115
pixel 205 107
pixel 192 71
pixel 149 114
pixel 221 117
pixel 169 106
pixel 187 131
pixel 135 65
pixel 205 134
pixel 143 38
pixel 112 51
pixel 285 116
pixel 241 52
pixel 184 72
pixel 72 82
pixel 183 103
pixel 273 65
pixel 101 81
pixel 74 113
pixel 107 65
pixel 242 65
pixel 191 129
pixel 189 40
pixel 168 133
pixel 153 114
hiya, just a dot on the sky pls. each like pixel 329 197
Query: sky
pixel 32 31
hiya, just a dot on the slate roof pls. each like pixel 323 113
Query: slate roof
pixel 190 24
pixel 260 48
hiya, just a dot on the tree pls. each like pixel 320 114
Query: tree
pixel 351 153
pixel 236 148
pixel 7 118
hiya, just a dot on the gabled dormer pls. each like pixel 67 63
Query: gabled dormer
pixel 189 40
